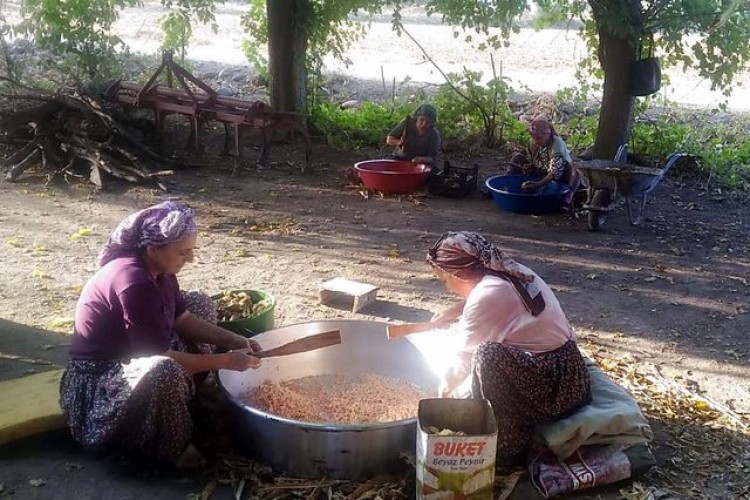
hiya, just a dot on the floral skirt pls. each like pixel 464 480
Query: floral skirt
pixel 139 407
pixel 526 389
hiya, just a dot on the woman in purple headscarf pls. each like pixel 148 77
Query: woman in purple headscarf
pixel 518 350
pixel 548 159
pixel 136 345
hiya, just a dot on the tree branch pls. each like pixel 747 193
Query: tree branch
pixel 447 79
pixel 31 159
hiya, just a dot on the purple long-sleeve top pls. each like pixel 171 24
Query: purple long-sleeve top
pixel 124 312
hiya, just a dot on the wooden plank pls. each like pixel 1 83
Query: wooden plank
pixel 397 331
pixel 305 344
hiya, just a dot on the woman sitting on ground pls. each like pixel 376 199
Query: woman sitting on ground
pixel 547 157
pixel 518 349
pixel 415 138
pixel 136 346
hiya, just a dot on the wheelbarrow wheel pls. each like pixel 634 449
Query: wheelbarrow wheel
pixel 597 218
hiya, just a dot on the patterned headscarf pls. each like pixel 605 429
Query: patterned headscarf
pixel 463 252
pixel 455 252
pixel 157 225
pixel 541 125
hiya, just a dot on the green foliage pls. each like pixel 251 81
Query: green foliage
pixel 708 35
pixel 352 128
pixel 332 31
pixel 78 30
pixel 177 25
pixel 472 109
pixel 717 30
pixel 722 148
pixel 479 15
pixel 657 139
pixel 579 132
pixel 255 23
pixel 465 108
pixel 177 32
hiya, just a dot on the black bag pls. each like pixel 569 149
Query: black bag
pixel 645 73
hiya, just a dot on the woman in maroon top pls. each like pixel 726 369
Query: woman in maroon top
pixel 137 345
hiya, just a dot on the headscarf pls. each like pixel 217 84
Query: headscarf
pixel 428 111
pixel 464 252
pixel 541 125
pixel 457 252
pixel 157 225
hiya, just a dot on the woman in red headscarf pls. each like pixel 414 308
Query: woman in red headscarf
pixel 518 348
pixel 547 158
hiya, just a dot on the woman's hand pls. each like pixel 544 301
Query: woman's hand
pixel 253 346
pixel 448 384
pixel 529 185
pixel 240 342
pixel 422 159
pixel 239 360
pixel 395 141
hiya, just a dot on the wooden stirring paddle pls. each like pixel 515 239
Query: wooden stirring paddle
pixel 305 344
pixel 398 331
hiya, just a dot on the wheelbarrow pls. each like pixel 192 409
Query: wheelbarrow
pixel 611 180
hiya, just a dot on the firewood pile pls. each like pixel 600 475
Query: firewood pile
pixel 74 134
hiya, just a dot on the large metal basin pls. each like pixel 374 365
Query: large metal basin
pixel 306 449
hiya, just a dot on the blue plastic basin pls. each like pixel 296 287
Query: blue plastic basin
pixel 508 195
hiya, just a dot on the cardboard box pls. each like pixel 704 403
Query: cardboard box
pixel 452 466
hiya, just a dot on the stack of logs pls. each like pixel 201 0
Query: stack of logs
pixel 73 134
pixel 65 132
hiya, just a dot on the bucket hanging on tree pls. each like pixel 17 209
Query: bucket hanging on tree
pixel 645 73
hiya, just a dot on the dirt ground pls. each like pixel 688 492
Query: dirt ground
pixel 673 293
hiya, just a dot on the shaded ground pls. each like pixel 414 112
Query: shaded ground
pixel 673 294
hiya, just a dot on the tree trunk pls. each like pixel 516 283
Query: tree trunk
pixel 616 55
pixel 288 30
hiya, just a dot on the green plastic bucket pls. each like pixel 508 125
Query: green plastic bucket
pixel 255 324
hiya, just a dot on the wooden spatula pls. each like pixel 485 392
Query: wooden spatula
pixel 305 344
pixel 397 331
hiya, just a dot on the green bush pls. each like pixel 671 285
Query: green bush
pixel 470 109
pixel 365 126
pixel 723 151
pixel 579 132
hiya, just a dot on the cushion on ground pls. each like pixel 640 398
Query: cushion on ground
pixel 612 417
pixel 30 405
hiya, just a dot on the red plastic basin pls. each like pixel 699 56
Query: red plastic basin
pixel 393 176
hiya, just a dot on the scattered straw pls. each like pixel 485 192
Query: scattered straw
pixel 703 447
pixel 706 447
